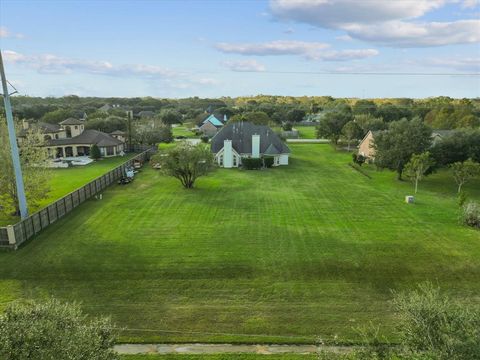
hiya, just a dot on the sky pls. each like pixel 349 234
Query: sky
pixel 175 48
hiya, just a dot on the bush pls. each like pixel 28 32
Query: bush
pixel 95 153
pixel 287 126
pixel 471 214
pixel 252 163
pixel 358 159
pixel 268 161
pixel 204 138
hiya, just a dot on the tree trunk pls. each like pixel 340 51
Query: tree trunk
pixel 459 188
pixel 416 185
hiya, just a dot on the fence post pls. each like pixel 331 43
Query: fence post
pixel 11 235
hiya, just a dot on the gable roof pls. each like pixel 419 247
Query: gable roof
pixel 213 120
pixel 241 135
pixel 72 121
pixel 272 150
pixel 88 137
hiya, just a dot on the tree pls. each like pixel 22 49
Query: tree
pixel 295 115
pixel 464 171
pixel 42 331
pixel 287 126
pixel 352 131
pixel 95 153
pixel 56 116
pixel 152 136
pixel 255 117
pixel 331 125
pixel 33 160
pixel 170 116
pixel 364 107
pixel 418 167
pixel 394 147
pixel 186 162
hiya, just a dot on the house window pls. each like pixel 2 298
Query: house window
pixel 76 127
pixel 234 160
pixel 109 150
pixel 221 160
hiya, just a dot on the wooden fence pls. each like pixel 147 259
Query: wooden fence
pixel 13 236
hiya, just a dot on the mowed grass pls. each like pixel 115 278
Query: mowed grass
pixel 221 357
pixel 64 181
pixel 306 132
pixel 281 255
pixel 184 130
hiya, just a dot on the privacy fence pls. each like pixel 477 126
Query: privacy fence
pixel 13 236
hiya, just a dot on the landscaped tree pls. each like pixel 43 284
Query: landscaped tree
pixel 352 131
pixel 53 330
pixel 331 125
pixel 255 117
pixel 395 146
pixel 295 115
pixel 364 107
pixel 35 173
pixel 170 116
pixel 95 153
pixel 186 162
pixel 464 171
pixel 418 167
pixel 147 135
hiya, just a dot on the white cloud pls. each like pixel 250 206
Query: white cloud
pixel 469 4
pixel 52 64
pixel 344 38
pixel 5 33
pixel 279 47
pixel 463 64
pixel 244 65
pixel 309 50
pixel 390 23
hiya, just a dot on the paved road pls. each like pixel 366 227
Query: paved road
pixel 131 349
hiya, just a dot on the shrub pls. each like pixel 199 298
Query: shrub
pixel 204 138
pixel 471 214
pixel 95 152
pixel 287 126
pixel 252 163
pixel 358 159
pixel 268 161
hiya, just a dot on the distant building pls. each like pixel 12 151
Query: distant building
pixel 239 140
pixel 212 124
pixel 146 114
pixel 119 135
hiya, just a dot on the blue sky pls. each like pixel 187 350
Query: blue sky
pixel 233 48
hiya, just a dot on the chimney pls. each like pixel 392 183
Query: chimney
pixel 227 154
pixel 224 118
pixel 255 146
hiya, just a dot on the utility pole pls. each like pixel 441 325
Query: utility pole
pixel 22 200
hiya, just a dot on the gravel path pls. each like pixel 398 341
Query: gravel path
pixel 131 349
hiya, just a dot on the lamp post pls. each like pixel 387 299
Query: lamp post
pixel 22 200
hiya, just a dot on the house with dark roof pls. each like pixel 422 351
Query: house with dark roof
pixel 212 124
pixel 239 140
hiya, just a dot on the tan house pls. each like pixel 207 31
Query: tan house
pixel 365 148
pixel 119 135
pixel 70 139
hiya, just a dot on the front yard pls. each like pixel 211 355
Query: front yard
pixel 281 255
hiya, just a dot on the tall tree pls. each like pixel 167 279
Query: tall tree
pixel 52 330
pixel 331 125
pixel 186 162
pixel 418 167
pixel 33 162
pixel 464 171
pixel 352 131
pixel 169 116
pixel 366 107
pixel 395 146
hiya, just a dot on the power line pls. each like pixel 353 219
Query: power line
pixel 361 73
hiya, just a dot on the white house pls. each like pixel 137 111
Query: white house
pixel 239 140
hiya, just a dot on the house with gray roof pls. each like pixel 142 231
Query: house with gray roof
pixel 212 124
pixel 239 140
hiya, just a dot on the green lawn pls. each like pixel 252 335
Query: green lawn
pixel 281 255
pixel 184 130
pixel 66 180
pixel 306 132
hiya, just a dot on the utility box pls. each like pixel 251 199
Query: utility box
pixel 409 199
